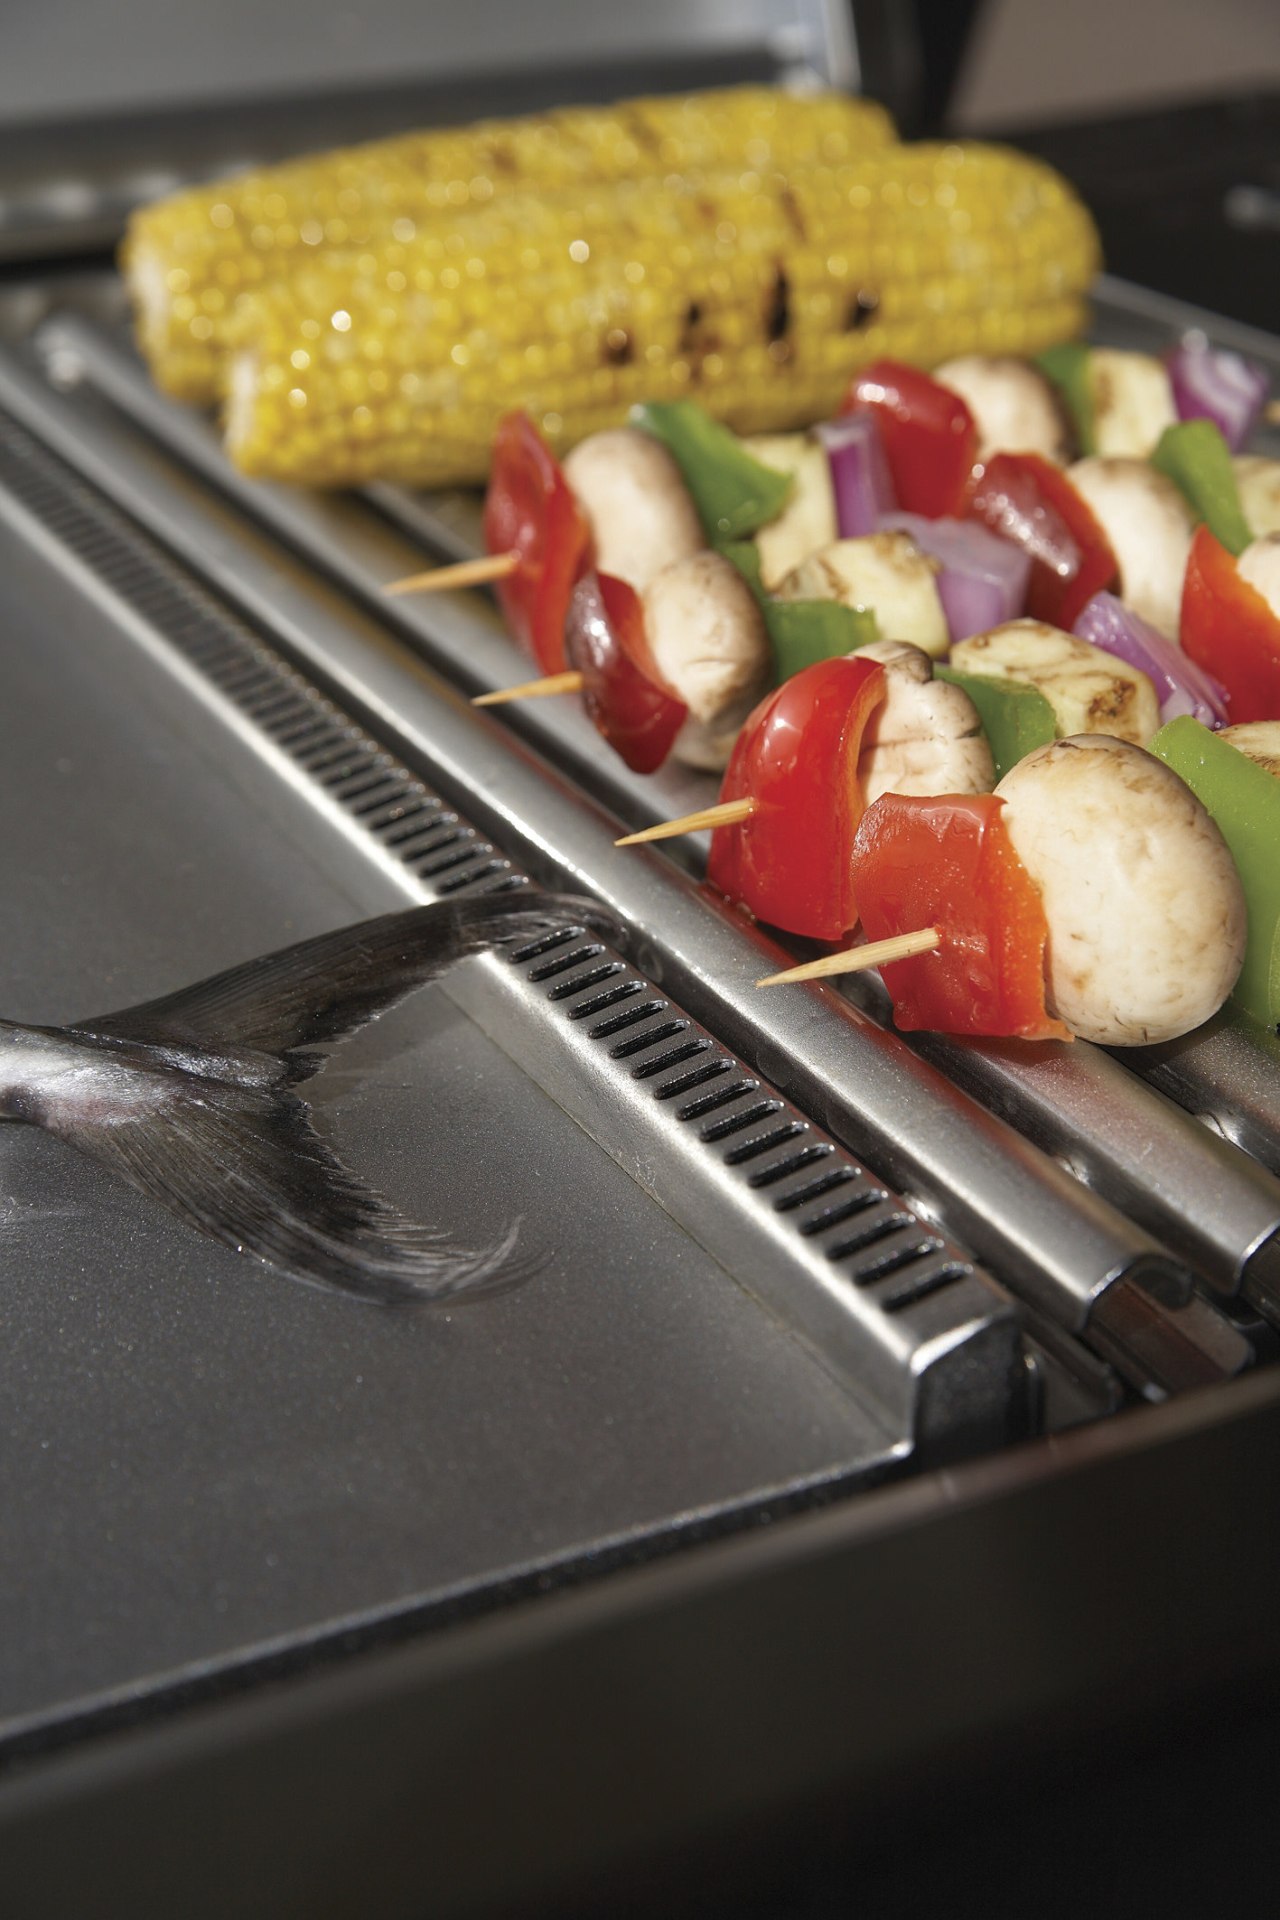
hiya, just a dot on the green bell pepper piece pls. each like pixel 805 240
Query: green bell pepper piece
pixel 1015 717
pixel 1068 368
pixel 1244 800
pixel 1197 459
pixel 733 492
pixel 802 631
pixel 745 555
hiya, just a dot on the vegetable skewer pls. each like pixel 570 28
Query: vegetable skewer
pixel 572 680
pixel 1126 929
pixel 483 571
pixel 726 813
pixel 920 575
pixel 652 493
pixel 878 953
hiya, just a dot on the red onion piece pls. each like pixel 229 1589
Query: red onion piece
pixel 1181 686
pixel 1209 383
pixel 860 477
pixel 983 581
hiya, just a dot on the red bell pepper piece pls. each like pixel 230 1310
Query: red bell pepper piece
pixel 797 760
pixel 624 694
pixel 530 510
pixel 1030 502
pixel 949 863
pixel 928 434
pixel 1228 628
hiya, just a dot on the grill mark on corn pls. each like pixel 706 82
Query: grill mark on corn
pixel 791 208
pixel 778 315
pixel 632 122
pixel 862 310
pixel 696 338
pixel 501 160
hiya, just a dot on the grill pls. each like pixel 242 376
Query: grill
pixel 821 1317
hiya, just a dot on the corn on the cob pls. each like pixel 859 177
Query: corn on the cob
pixel 757 295
pixel 186 258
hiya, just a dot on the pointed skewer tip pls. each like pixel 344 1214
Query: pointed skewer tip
pixel 727 813
pixel 568 682
pixel 479 572
pixel 878 953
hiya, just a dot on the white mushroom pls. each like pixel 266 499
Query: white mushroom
pixel 1132 397
pixel 1259 567
pixel 1090 690
pixel 1145 909
pixel 708 640
pixel 885 573
pixel 1258 740
pixel 808 520
pixel 1149 526
pixel 925 736
pixel 636 502
pixel 1258 480
pixel 1014 406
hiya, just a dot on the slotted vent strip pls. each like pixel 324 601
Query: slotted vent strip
pixel 667 1031
pixel 721 1129
pixel 814 1189
pixel 313 731
pixel 711 1101
pixel 628 990
pixel 685 1082
pixel 765 1142
pixel 407 819
pixel 783 1169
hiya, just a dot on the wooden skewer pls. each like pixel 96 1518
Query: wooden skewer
pixel 463 573
pixel 726 814
pixel 569 682
pixel 857 959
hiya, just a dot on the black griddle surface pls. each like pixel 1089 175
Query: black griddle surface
pixel 202 1462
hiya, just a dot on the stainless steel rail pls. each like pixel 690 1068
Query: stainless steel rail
pixel 1229 1075
pixel 1184 1181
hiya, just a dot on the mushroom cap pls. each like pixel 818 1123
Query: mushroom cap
pixel 634 497
pixel 1145 908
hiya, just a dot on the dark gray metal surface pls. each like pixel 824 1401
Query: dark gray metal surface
pixel 78 60
pixel 201 1457
pixel 102 111
pixel 906 1666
